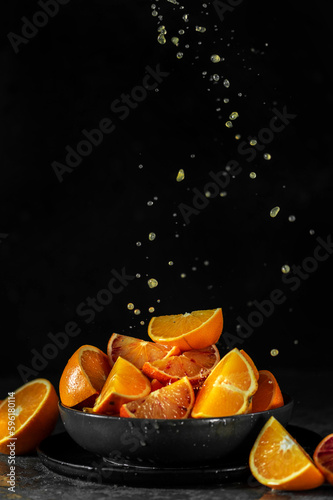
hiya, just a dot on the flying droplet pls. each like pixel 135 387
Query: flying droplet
pixel 274 352
pixel 226 83
pixel 291 218
pixel 201 29
pixel 285 269
pixel 253 175
pixel 185 17
pixel 150 203
pixel 233 115
pixel 312 232
pixel 130 306
pixel 175 40
pixel 170 262
pixel 267 156
pixel 151 236
pixel 228 124
pixel 237 137
pixel 226 100
pixel 253 142
pixel 161 39
pixel 183 275
pixel 151 309
pixel 179 55
pixel 181 175
pixel 138 243
pixel 215 77
pixel 215 58
pixel 274 211
pixel 152 283
pixel 161 29
pixel 137 312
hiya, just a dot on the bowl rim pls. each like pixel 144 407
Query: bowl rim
pixel 114 418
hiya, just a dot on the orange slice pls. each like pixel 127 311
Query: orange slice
pixel 268 394
pixel 194 330
pixel 125 383
pixel 228 389
pixel 28 416
pixel 137 351
pixel 173 401
pixel 279 462
pixel 84 376
pixel 250 360
pixel 323 457
pixel 196 364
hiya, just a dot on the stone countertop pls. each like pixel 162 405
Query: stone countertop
pixel 312 410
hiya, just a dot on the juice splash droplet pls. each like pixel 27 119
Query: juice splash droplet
pixel 151 309
pixel 151 236
pixel 161 39
pixel 228 124
pixel 138 243
pixel 170 262
pixel 253 175
pixel 179 55
pixel 175 40
pixel 267 156
pixel 291 218
pixel 285 269
pixel 274 211
pixel 161 29
pixel 226 83
pixel 130 306
pixel 180 176
pixel 253 142
pixel 201 29
pixel 137 312
pixel 274 352
pixel 215 58
pixel 152 283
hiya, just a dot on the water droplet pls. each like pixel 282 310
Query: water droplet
pixel 181 32
pixel 291 218
pixel 312 232
pixel 285 269
pixel 185 17
pixel 170 262
pixel 150 203
pixel 253 142
pixel 154 13
pixel 130 306
pixel 223 194
pixel 138 243
pixel 161 39
pixel 152 283
pixel 138 275
pixel 174 2
pixel 253 175
pixel 233 115
pixel 140 166
pixel 161 29
pixel 179 55
pixel 181 175
pixel 267 156
pixel 151 236
pixel 183 275
pixel 215 77
pixel 137 312
pixel 206 263
pixel 274 352
pixel 226 100
pixel 175 40
pixel 201 29
pixel 215 58
pixel 228 124
pixel 142 322
pixel 226 83
pixel 237 137
pixel 274 211
pixel 151 309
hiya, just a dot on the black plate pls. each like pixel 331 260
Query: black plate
pixel 62 455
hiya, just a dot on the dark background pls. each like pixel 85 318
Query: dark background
pixel 60 241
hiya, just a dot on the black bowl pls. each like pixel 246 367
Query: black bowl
pixel 135 441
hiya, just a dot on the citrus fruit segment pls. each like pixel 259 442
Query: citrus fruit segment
pixel 137 351
pixel 279 462
pixel 173 401
pixel 194 330
pixel 28 416
pixel 228 389
pixel 124 383
pixel 268 394
pixel 84 375
pixel 196 364
pixel 250 360
pixel 323 457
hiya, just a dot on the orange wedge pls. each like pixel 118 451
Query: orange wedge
pixel 125 383
pixel 250 360
pixel 228 389
pixel 137 351
pixel 173 401
pixel 196 364
pixel 194 330
pixel 84 376
pixel 268 394
pixel 27 417
pixel 323 457
pixel 279 462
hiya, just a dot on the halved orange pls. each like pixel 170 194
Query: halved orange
pixel 28 416
pixel 323 457
pixel 173 401
pixel 137 351
pixel 194 330
pixel 228 389
pixel 250 360
pixel 268 394
pixel 196 364
pixel 84 376
pixel 279 462
pixel 124 383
